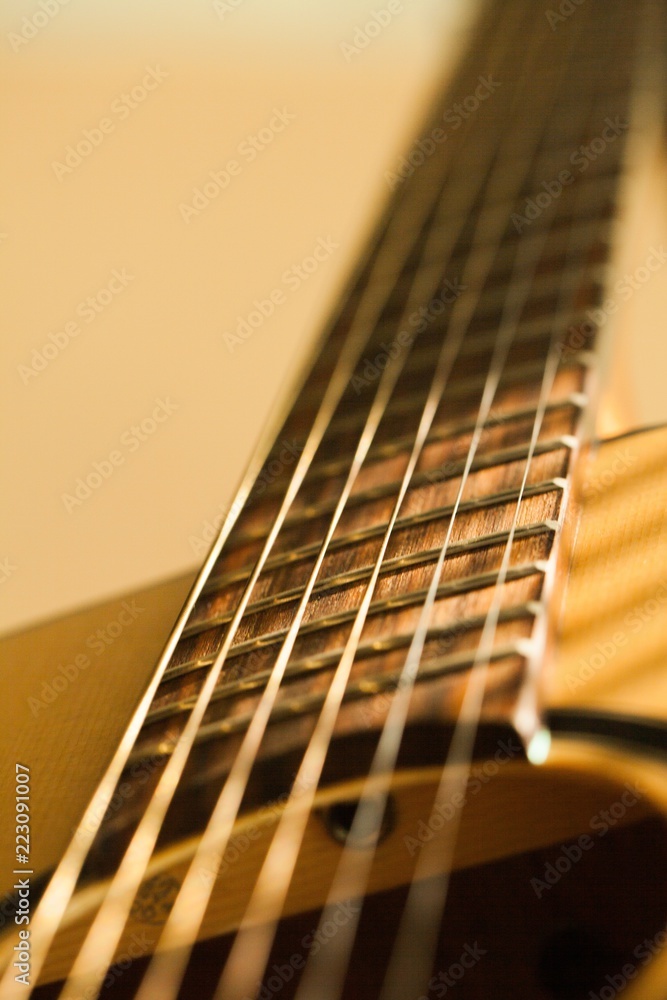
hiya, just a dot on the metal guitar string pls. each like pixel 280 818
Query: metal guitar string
pixel 100 944
pixel 414 950
pixel 248 956
pixel 167 966
pixel 404 227
pixel 385 263
pixel 324 979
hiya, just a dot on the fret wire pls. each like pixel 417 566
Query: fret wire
pixel 548 165
pixel 575 402
pixel 301 705
pixel 517 373
pixel 257 536
pixel 507 456
pixel 600 187
pixel 541 287
pixel 425 906
pixel 439 433
pixel 107 926
pixel 527 326
pixel 353 869
pixel 398 563
pixel 525 610
pixel 61 887
pixel 433 669
pixel 452 588
pixel 305 666
pixel 424 517
pixel 275 875
pixel 193 893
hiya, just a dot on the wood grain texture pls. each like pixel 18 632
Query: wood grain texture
pixel 612 649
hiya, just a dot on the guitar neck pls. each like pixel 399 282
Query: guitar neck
pixel 443 409
pixel 379 601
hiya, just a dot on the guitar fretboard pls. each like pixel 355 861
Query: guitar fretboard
pixel 476 304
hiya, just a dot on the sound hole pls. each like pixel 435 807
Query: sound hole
pixel 339 818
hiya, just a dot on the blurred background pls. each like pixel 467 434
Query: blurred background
pixel 165 164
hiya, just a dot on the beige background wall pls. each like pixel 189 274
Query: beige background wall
pixel 219 72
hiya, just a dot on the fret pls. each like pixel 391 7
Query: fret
pixel 330 468
pixel 567 280
pixel 516 622
pixel 405 598
pixel 411 521
pixel 361 573
pixel 330 631
pixel 425 344
pixel 594 215
pixel 307 704
pixel 529 572
pixel 492 498
pixel 463 389
pixel 388 489
pixel 308 528
pixel 320 661
pixel 255 641
pixel 526 329
pixel 601 183
pixel 443 457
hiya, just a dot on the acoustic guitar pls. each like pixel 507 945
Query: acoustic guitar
pixel 407 736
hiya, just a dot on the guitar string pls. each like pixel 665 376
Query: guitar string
pixel 106 931
pixel 323 978
pixel 150 829
pixel 165 971
pixel 413 953
pixel 271 887
pixel 400 228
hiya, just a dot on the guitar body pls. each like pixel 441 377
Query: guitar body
pixel 408 732
pixel 560 917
